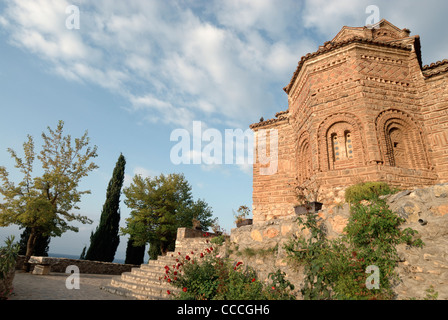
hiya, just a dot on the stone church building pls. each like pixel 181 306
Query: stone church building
pixel 360 108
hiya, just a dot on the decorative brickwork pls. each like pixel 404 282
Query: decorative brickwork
pixel 361 108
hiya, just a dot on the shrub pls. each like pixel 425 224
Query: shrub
pixel 205 276
pixel 336 269
pixel 8 256
pixel 367 191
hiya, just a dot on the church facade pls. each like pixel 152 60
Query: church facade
pixel 360 108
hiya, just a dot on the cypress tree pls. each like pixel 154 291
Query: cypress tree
pixel 134 254
pixel 105 240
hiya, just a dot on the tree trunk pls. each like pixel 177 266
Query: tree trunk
pixel 29 249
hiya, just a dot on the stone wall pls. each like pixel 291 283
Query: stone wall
pixel 85 266
pixel 261 245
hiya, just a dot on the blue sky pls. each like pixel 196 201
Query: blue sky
pixel 137 70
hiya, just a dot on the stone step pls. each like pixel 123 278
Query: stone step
pixel 130 293
pixel 141 277
pixel 146 282
pixel 143 289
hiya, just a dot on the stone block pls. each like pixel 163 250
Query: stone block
pixel 338 223
pixel 441 191
pixel 256 235
pixel 440 210
pixel 271 233
pixel 41 269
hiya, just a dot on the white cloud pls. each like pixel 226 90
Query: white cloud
pixel 222 62
pixel 145 173
pixel 189 66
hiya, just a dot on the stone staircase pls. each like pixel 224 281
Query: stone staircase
pixel 146 282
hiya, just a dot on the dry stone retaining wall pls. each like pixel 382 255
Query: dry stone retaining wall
pixel 85 266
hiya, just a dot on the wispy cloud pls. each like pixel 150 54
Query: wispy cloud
pixel 223 62
pixel 173 63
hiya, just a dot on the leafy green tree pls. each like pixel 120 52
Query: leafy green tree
pixel 41 247
pixel 45 203
pixel 105 240
pixel 159 206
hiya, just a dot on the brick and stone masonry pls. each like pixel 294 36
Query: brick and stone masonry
pixel 360 108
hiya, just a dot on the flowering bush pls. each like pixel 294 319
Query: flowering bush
pixel 206 276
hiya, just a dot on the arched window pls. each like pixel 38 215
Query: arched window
pixel 348 144
pixel 336 147
pixel 400 140
pixel 305 163
pixel 342 145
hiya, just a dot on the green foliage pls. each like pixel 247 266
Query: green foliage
pixel 312 253
pixel 367 191
pixel 8 256
pixel 431 294
pixel 281 289
pixel 45 204
pixel 159 206
pixel 219 240
pixel 336 269
pixel 41 246
pixel 105 240
pixel 134 254
pixel 204 276
pixel 241 213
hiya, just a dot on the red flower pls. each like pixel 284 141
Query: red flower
pixel 169 280
pixel 175 272
pixel 184 289
pixel 175 278
pixel 202 255
pixel 211 248
pixel 192 252
pixel 168 291
pixel 239 263
pixel 253 280
pixel 273 288
pixel 187 257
